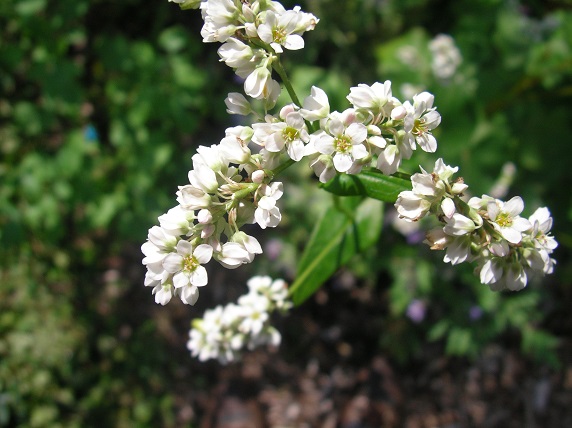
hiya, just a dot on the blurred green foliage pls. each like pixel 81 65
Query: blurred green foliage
pixel 101 106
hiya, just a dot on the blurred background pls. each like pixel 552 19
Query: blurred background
pixel 102 104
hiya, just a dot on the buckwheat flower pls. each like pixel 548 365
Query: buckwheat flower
pixel 254 313
pixel 240 56
pixel 506 220
pixel 306 21
pixel 234 147
pixel 177 221
pixel 543 242
pixel 344 143
pixel 541 222
pixel 279 31
pixel 163 240
pixel 249 243
pixel 316 106
pixel 258 84
pixel 499 274
pixel 192 198
pixel 446 56
pixel 276 291
pixel 323 167
pixel 389 159
pixel 232 254
pixel 421 119
pixel 163 292
pixel 267 213
pixel 374 98
pixel 220 17
pixel 203 177
pixel 186 267
pixel 291 134
pixel 153 260
pixel 459 225
pixel 458 250
pixel 411 206
pixel 237 103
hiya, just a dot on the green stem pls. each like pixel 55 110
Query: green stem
pixel 273 173
pixel 277 66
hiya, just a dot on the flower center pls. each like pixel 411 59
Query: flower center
pixel 279 35
pixel 290 134
pixel 419 127
pixel 190 263
pixel 343 144
pixel 504 220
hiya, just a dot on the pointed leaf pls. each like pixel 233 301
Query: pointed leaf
pixel 345 229
pixel 369 183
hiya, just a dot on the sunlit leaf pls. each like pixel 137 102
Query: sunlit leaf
pixel 345 229
pixel 369 183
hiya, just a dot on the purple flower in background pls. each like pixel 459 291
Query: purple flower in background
pixel 416 310
pixel 475 313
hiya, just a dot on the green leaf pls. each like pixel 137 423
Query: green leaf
pixel 346 228
pixel 369 183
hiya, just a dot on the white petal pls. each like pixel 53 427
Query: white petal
pixel 342 162
pixel 448 207
pixel 180 280
pixel 203 253
pixel 514 207
pixel 357 133
pixel 173 263
pixel 199 277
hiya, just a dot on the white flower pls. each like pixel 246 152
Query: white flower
pixel 241 57
pixel 458 250
pixel 191 198
pixel 291 134
pixel 220 19
pixel 224 332
pixel 278 31
pixel 177 221
pixel 316 105
pixel 249 243
pixel 237 103
pixel 459 225
pixel 411 206
pixel 267 213
pixel 186 267
pixel 259 84
pixel 234 147
pixel 254 313
pixel 421 119
pixel 542 223
pixel 163 292
pixel 506 219
pixel 232 254
pixel 389 160
pixel 344 143
pixel 323 166
pixel 446 56
pixel 374 98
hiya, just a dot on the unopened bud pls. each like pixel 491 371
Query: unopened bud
pixel 258 176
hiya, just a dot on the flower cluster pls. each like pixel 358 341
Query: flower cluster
pixel 225 331
pixel 506 247
pixel 231 183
